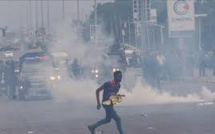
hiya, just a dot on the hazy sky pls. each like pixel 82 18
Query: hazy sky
pixel 13 13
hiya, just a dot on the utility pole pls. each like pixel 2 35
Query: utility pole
pixel 27 15
pixel 141 14
pixel 30 15
pixel 78 21
pixel 36 15
pixel 95 22
pixel 145 17
pixel 129 31
pixel 95 29
pixel 136 18
pixel 36 19
pixel 78 15
pixel 42 13
pixel 48 18
pixel 63 10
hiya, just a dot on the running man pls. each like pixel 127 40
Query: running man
pixel 110 88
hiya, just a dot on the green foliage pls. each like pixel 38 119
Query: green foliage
pixel 112 15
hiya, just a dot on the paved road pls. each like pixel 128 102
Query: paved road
pixel 71 117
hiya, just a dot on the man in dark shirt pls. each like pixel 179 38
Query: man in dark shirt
pixel 110 88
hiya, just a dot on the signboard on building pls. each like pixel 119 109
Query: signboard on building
pixel 181 19
pixel 153 16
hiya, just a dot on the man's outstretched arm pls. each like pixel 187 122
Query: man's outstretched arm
pixel 97 96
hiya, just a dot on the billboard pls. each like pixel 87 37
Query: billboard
pixel 181 19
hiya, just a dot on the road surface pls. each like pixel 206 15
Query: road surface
pixel 72 117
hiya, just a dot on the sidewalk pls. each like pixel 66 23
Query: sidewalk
pixel 206 79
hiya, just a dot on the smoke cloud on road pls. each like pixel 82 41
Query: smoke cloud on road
pixel 84 90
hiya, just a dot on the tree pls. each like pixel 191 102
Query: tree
pixel 113 15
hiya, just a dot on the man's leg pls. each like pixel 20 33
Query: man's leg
pixel 101 122
pixel 92 130
pixel 117 119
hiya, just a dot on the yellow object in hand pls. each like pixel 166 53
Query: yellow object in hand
pixel 108 102
pixel 114 99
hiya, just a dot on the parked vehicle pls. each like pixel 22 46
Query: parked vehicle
pixel 8 54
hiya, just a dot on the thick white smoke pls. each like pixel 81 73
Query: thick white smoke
pixel 66 40
pixel 207 94
pixel 144 94
pixel 84 90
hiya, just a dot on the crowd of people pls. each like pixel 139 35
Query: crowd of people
pixel 176 66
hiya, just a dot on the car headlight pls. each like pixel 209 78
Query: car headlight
pixel 17 71
pixel 96 71
pixel 52 78
pixel 115 69
pixel 58 77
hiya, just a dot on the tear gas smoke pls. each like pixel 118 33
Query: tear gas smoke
pixel 161 59
pixel 207 94
pixel 84 90
pixel 78 90
pixel 66 41
pixel 86 53
pixel 144 94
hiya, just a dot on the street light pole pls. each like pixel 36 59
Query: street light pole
pixel 200 28
pixel 162 39
pixel 161 27
pixel 200 33
pixel 95 22
pixel 161 34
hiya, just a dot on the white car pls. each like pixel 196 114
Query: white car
pixel 8 54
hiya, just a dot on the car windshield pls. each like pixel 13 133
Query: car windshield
pixel 36 67
pixel 60 60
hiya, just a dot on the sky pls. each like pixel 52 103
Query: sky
pixel 13 13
